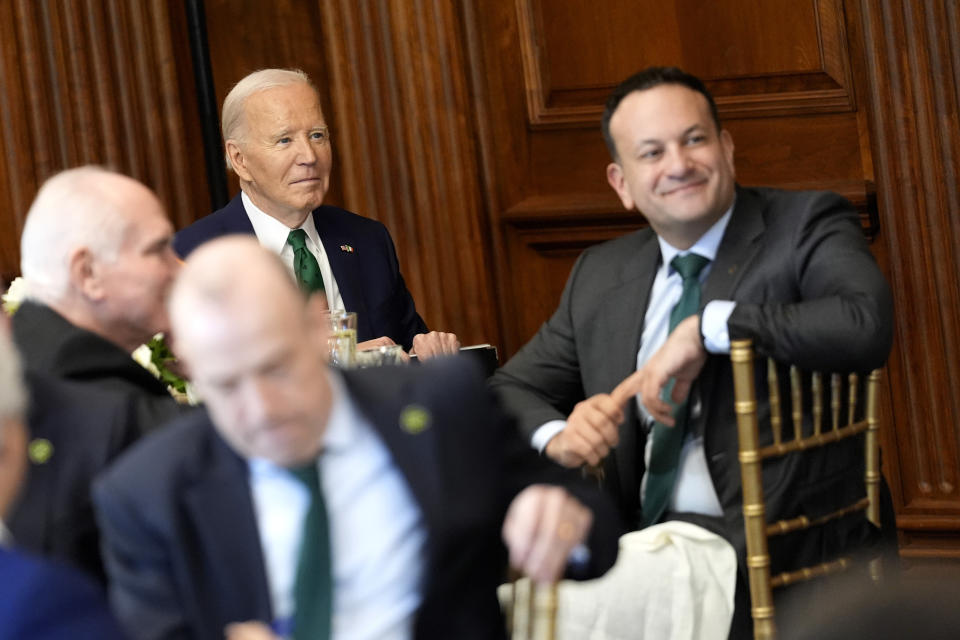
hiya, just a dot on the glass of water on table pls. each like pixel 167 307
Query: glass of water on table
pixel 342 340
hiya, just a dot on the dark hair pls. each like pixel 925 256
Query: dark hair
pixel 648 79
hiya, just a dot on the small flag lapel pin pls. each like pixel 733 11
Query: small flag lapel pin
pixel 347 248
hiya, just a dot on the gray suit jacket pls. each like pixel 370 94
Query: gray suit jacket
pixel 808 292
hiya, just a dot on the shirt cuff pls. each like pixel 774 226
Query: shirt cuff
pixel 545 432
pixel 713 325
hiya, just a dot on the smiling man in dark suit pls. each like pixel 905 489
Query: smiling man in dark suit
pixel 357 505
pixel 719 262
pixel 278 144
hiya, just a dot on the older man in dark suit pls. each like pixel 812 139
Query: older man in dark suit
pixel 278 144
pixel 719 262
pixel 97 261
pixel 354 505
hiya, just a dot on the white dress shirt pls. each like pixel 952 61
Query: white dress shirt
pixel 693 491
pixel 377 534
pixel 272 234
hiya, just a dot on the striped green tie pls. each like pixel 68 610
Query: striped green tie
pixel 305 266
pixel 667 441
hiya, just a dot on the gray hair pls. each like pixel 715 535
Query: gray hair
pixel 73 209
pixel 231 116
pixel 13 393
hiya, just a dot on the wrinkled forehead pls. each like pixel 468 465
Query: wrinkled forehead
pixel 294 105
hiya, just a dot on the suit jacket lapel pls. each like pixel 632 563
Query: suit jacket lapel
pixel 383 402
pixel 235 219
pixel 624 309
pixel 738 248
pixel 344 266
pixel 221 509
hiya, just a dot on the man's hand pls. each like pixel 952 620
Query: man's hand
pixel 248 631
pixel 382 341
pixel 681 357
pixel 543 525
pixel 593 428
pixel 435 343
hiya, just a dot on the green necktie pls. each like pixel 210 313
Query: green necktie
pixel 313 589
pixel 667 441
pixel 305 266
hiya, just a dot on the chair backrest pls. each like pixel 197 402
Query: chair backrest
pixel 532 610
pixel 832 428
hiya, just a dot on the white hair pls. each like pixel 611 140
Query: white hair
pixel 77 208
pixel 13 393
pixel 231 116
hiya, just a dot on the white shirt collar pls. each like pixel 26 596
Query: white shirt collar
pixel 272 233
pixel 706 246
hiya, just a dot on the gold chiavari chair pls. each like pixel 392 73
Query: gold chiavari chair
pixel 840 427
pixel 532 610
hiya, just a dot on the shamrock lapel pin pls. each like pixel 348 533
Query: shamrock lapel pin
pixel 415 419
pixel 346 248
pixel 39 451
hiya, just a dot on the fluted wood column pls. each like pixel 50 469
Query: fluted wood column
pixel 406 142
pixel 912 56
pixel 96 81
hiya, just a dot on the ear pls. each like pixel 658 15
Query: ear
pixel 85 275
pixel 616 180
pixel 726 141
pixel 238 160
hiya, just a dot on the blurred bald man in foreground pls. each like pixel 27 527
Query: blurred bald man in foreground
pixel 318 504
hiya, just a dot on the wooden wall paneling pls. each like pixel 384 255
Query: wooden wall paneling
pixel 94 82
pixel 405 119
pixel 912 53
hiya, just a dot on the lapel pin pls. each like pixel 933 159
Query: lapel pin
pixel 414 419
pixel 39 450
pixel 346 248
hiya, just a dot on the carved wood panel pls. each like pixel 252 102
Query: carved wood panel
pixel 95 82
pixel 911 52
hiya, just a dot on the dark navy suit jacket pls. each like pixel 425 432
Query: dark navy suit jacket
pixel 362 257
pixel 42 601
pixel 180 535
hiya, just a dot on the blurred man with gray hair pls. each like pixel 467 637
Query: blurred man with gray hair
pixel 278 143
pixel 38 600
pixel 96 257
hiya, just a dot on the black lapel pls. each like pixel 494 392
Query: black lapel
pixel 383 396
pixel 235 218
pixel 738 248
pixel 624 308
pixel 220 508
pixel 337 243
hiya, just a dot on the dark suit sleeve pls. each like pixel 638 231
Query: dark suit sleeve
pixel 525 468
pixel 840 313
pixel 542 382
pixel 142 589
